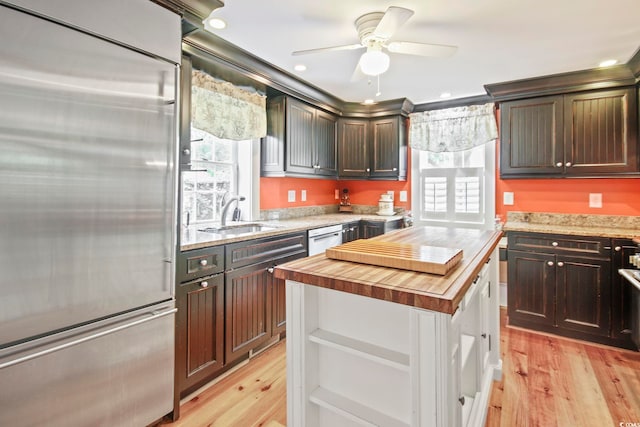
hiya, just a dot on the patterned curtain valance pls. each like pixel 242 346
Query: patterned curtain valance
pixel 453 129
pixel 225 110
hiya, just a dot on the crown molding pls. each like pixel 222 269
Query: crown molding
pixel 452 103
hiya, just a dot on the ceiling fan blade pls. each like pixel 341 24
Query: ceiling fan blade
pixel 328 49
pixel 422 49
pixel 357 73
pixel 393 19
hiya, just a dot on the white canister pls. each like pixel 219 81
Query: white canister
pixel 385 205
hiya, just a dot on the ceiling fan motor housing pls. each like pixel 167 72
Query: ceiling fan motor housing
pixel 366 25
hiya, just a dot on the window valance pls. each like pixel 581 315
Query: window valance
pixel 453 129
pixel 226 111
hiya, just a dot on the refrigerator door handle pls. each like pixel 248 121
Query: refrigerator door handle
pixel 128 324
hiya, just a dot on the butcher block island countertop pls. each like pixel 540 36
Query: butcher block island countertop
pixel 372 345
pixel 441 293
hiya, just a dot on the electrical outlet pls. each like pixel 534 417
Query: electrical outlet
pixel 595 200
pixel 292 196
pixel 507 198
pixel 303 195
pixel 403 196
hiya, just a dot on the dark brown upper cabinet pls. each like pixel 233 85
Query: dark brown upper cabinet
pixel 300 141
pixel 372 148
pixel 572 135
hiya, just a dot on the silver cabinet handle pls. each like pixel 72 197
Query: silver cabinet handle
pixel 186 151
pixel 554 244
pixel 203 262
pixel 204 284
pixel 617 249
pixel 559 164
pixel 368 170
pixel 560 263
pixel 394 169
pixel 568 164
pixel 550 263
pixel 270 270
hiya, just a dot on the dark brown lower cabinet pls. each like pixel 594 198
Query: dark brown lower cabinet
pixel 248 309
pixel 621 290
pixel 583 297
pixel 531 289
pixel 199 331
pixel 279 313
pixel 569 285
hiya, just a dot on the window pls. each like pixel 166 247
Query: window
pixel 215 172
pixel 454 187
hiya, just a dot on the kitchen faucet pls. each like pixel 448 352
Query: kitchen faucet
pixel 225 207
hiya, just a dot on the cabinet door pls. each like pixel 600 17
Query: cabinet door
pixel 272 145
pixel 531 288
pixel 372 229
pixel 199 332
pixel 300 137
pixel 351 231
pixel 621 289
pixel 385 146
pixel 326 144
pixel 583 294
pixel 531 137
pixel 600 132
pixel 248 294
pixel 353 151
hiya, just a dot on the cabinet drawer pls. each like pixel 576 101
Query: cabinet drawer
pixel 560 244
pixel 199 263
pixel 265 249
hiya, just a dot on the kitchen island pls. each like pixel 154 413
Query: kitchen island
pixel 371 345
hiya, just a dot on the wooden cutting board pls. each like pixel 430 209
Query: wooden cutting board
pixel 405 256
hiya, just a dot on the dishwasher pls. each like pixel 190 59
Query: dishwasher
pixel 324 237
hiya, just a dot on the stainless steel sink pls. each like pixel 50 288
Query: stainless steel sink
pixel 238 229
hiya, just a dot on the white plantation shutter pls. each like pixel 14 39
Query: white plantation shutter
pixel 452 194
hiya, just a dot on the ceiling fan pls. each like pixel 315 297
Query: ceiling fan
pixel 374 31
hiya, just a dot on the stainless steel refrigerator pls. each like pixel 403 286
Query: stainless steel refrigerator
pixel 87 236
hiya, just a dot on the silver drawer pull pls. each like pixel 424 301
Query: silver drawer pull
pixel 617 249
pixel 203 262
pixel 554 244
pixel 270 270
pixel 568 164
pixel 204 284
pixel 550 263
pixel 560 263
pixel 559 164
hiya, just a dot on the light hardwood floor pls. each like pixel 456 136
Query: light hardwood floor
pixel 547 381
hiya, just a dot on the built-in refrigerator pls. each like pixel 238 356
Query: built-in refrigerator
pixel 87 235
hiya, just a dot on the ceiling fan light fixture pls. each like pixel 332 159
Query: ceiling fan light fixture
pixel 374 62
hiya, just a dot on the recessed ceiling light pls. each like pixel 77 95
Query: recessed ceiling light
pixel 445 95
pixel 608 63
pixel 300 67
pixel 368 101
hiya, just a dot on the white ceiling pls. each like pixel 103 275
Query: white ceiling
pixel 498 41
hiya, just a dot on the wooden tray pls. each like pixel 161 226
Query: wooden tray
pixel 405 256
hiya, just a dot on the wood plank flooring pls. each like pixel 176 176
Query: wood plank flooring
pixel 550 381
pixel 547 381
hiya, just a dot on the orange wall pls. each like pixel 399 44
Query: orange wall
pixel 620 196
pixel 274 191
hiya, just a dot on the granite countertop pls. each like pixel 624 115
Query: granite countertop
pixel 423 290
pixel 191 238
pixel 574 224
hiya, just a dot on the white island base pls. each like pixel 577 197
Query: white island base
pixel 358 361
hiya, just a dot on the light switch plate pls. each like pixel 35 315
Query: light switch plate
pixel 507 198
pixel 303 195
pixel 403 196
pixel 292 196
pixel 337 196
pixel 595 200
